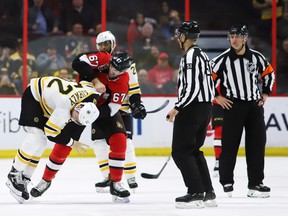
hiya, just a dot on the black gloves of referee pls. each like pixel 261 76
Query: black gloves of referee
pixel 138 110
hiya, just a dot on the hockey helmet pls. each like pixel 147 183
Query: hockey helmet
pixel 121 61
pixel 190 29
pixel 238 29
pixel 106 36
pixel 87 112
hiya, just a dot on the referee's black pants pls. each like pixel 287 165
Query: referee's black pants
pixel 248 115
pixel 189 133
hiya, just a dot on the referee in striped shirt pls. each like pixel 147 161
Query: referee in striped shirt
pixel 192 113
pixel 237 70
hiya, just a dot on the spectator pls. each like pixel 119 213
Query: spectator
pixel 165 10
pixel 6 86
pixel 134 31
pixel 16 66
pixel 4 58
pixel 282 30
pixel 263 10
pixel 147 62
pixel 161 72
pixel 50 61
pixel 142 46
pixel 282 68
pixel 146 86
pixel 41 21
pixel 63 73
pixel 170 87
pixel 75 42
pixel 174 21
pixel 79 12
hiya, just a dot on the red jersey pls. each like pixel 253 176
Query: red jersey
pixel 96 64
pixel 116 90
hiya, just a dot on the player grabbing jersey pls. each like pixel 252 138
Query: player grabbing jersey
pixel 108 73
pixel 106 41
pixel 55 109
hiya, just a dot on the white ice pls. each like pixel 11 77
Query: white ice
pixel 72 192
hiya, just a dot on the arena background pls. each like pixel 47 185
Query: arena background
pixel 152 136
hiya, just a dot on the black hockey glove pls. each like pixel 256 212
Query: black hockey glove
pixel 138 110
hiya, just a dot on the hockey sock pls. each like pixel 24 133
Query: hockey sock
pixel 28 156
pixel 56 160
pixel 101 150
pixel 130 160
pixel 117 156
pixel 217 141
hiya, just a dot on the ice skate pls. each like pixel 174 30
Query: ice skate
pixel 17 185
pixel 228 188
pixel 210 199
pixel 189 201
pixel 259 191
pixel 40 188
pixel 119 194
pixel 103 186
pixel 216 169
pixel 132 184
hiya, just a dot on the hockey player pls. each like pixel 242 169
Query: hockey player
pixel 106 41
pixel 109 73
pixel 55 109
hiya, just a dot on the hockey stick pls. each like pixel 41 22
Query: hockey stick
pixel 155 176
pixel 159 108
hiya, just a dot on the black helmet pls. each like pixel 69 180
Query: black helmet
pixel 238 29
pixel 190 29
pixel 121 61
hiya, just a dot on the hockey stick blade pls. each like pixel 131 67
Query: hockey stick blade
pixel 159 108
pixel 149 176
pixel 155 176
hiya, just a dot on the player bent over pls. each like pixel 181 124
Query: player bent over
pixel 109 125
pixel 55 109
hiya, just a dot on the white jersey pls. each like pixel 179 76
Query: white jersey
pixel 133 88
pixel 57 98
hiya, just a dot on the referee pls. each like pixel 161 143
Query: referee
pixel 237 69
pixel 192 113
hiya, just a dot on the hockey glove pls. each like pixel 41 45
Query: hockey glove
pixel 138 110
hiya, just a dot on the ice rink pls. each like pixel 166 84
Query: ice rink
pixel 72 192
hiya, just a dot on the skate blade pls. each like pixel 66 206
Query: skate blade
pixel 15 191
pixel 19 199
pixel 133 190
pixel 258 194
pixel 210 203
pixel 190 205
pixel 102 190
pixel 117 199
pixel 229 194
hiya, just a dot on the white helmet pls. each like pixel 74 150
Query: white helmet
pixel 106 36
pixel 87 112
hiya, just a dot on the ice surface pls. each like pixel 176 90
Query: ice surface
pixel 72 192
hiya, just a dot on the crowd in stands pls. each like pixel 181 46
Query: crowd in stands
pixel 61 29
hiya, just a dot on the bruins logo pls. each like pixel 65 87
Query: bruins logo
pixel 119 125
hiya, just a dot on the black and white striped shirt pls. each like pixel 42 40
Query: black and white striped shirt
pixel 238 74
pixel 195 83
